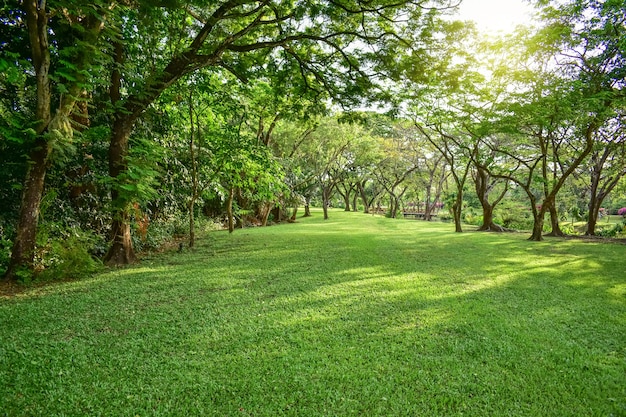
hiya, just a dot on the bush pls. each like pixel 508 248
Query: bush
pixel 513 215
pixel 472 218
pixel 568 229
pixel 445 216
pixel 614 231
pixel 622 212
pixel 69 257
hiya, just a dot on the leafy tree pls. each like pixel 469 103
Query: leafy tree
pixel 62 44
pixel 399 165
pixel 607 166
pixel 569 101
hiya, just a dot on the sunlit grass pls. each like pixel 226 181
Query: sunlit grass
pixel 357 315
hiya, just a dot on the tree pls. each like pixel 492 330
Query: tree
pixel 62 50
pixel 451 147
pixel 583 91
pixel 400 163
pixel 607 166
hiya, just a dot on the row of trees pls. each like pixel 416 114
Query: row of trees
pixel 118 115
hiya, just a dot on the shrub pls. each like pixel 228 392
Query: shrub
pixel 614 231
pixel 622 212
pixel 68 257
pixel 568 229
pixel 472 218
pixel 513 215
pixel 444 216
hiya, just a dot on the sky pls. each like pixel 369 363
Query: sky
pixel 496 15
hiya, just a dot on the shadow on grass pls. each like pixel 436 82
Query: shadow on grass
pixel 359 315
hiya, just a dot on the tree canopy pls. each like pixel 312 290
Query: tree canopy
pixel 120 119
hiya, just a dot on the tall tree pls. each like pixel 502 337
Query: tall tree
pixel 606 167
pixel 63 43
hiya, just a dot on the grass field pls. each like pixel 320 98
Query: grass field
pixel 357 315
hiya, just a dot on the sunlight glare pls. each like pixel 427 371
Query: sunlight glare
pixel 494 16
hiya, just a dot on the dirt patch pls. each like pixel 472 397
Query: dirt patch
pixel 596 239
pixel 10 289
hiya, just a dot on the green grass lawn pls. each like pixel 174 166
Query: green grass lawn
pixel 357 315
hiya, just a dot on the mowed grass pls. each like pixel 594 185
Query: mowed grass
pixel 356 315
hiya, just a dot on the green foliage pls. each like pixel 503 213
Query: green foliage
pixel 68 257
pixel 472 217
pixel 615 230
pixel 513 215
pixel 5 253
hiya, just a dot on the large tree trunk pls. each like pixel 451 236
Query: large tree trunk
pixel 346 200
pixel 537 234
pixel 129 110
pixel 554 222
pixel 266 209
pixel 483 187
pixel 600 189
pixel 23 252
pixel 121 251
pixel 346 197
pixel 488 224
pixel 277 214
pixel 194 173
pixel 538 219
pixel 192 224
pixel 48 129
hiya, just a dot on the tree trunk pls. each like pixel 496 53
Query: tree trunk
pixel 267 209
pixel 393 206
pixel 293 215
pixel 600 189
pixel 325 202
pixel 194 174
pixel 346 197
pixel 121 251
pixel 554 222
pixel 192 223
pixel 229 210
pixel 277 213
pixel 538 219
pixel 537 234
pixel 457 209
pixel 483 187
pixel 307 207
pixel 366 206
pixel 23 251
pixel 488 224
pixel 594 207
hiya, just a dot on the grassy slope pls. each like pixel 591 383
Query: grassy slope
pixel 358 315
